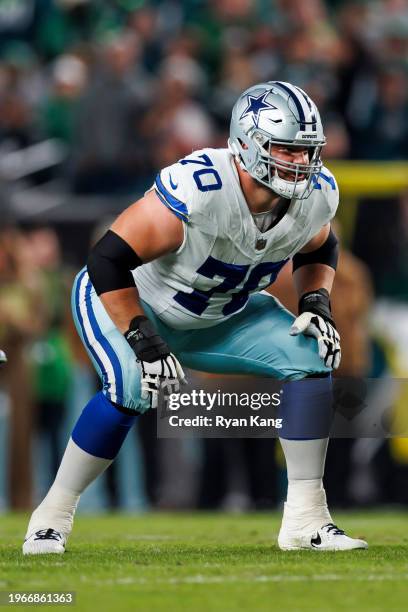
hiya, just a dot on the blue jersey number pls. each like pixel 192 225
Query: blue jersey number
pixel 325 177
pixel 208 171
pixel 233 275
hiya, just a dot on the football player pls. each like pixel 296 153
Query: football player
pixel 3 357
pixel 177 281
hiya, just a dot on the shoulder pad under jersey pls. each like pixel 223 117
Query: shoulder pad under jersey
pixel 188 186
pixel 326 187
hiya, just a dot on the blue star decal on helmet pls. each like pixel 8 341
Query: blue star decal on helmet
pixel 256 104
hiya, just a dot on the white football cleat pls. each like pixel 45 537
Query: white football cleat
pixel 328 538
pixel 44 541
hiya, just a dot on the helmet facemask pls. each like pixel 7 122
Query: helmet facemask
pixel 270 168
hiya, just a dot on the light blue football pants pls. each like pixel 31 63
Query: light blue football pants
pixel 255 341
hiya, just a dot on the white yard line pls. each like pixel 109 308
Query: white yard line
pixel 150 537
pixel 200 579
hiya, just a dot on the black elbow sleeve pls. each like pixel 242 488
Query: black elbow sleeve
pixel 110 262
pixel 327 254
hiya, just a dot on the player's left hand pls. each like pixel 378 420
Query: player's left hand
pixel 327 336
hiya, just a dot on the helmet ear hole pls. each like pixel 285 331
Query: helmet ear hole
pixel 243 145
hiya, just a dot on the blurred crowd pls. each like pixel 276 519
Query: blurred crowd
pixel 121 88
pixel 128 86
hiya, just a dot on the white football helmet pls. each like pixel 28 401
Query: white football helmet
pixel 277 113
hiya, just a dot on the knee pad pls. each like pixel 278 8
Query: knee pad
pixel 306 408
pixel 123 409
pixel 102 427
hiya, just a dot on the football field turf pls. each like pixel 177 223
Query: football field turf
pixel 208 562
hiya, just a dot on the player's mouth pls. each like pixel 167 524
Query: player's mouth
pixel 291 176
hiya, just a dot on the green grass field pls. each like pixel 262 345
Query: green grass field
pixel 205 562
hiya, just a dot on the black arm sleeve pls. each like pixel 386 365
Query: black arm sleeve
pixel 327 254
pixel 109 264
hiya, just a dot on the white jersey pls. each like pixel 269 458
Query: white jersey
pixel 224 256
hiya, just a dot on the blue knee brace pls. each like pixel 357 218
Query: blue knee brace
pixel 306 409
pixel 101 429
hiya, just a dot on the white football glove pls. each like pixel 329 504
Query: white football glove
pixel 327 336
pixel 160 368
pixel 165 374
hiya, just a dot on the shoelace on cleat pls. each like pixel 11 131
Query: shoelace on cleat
pixel 47 534
pixel 331 527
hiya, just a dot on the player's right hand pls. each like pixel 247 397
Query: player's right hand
pixel 160 368
pixel 164 374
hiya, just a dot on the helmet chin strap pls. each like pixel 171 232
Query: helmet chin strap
pixel 282 188
pixel 233 149
pixel 288 189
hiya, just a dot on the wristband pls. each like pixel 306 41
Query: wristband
pixel 317 302
pixel 144 340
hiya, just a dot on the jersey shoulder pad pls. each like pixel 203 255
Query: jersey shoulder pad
pixel 188 186
pixel 325 186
